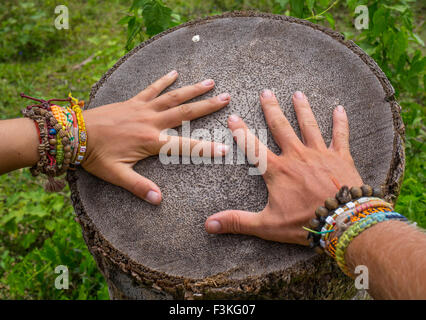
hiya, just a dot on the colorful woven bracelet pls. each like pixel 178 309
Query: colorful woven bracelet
pixel 329 243
pixel 356 229
pixel 59 137
pixel 82 134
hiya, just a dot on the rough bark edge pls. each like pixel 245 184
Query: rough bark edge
pixel 316 278
pixel 282 285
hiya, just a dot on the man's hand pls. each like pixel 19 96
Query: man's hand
pixel 298 180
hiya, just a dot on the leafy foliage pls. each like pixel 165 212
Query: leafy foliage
pixel 147 18
pixel 37 230
pixel 412 200
pixel 26 30
pixel 387 40
pixel 31 249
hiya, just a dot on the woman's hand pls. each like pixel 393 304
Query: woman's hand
pixel 121 134
pixel 298 180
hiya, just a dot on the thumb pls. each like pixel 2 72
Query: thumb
pixel 234 221
pixel 140 186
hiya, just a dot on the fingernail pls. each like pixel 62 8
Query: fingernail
pixel 298 95
pixel 224 96
pixel 267 94
pixel 221 149
pixel 340 108
pixel 152 197
pixel 172 73
pixel 213 226
pixel 234 118
pixel 207 82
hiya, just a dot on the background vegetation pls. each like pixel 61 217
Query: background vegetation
pixel 37 230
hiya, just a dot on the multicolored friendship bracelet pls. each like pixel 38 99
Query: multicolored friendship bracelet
pixel 62 137
pixel 344 217
pixel 82 135
pixel 354 230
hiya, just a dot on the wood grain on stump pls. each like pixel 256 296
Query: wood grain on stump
pixel 163 252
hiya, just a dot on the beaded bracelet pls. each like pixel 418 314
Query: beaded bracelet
pixel 62 137
pixel 351 212
pixel 331 205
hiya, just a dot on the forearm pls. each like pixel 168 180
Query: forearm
pixel 394 254
pixel 18 144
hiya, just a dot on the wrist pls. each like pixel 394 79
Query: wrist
pixel 20 150
pixel 28 146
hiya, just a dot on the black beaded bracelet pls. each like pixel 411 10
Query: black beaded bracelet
pixel 343 196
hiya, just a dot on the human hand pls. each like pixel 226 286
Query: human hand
pixel 298 180
pixel 121 134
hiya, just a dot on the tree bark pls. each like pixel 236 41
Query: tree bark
pixel 148 252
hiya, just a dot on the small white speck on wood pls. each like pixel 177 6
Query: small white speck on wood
pixel 196 38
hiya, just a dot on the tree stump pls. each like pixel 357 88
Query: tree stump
pixel 150 252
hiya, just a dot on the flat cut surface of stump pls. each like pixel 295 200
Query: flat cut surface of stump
pixel 244 53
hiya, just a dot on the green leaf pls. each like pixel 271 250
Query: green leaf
pixel 397 7
pixel 348 34
pixel 368 48
pixel 379 21
pixel 157 17
pixel 133 28
pixel 401 63
pixel 282 3
pixel 310 4
pixel 324 3
pixel 330 20
pixel 50 225
pixel 417 38
pixel 399 46
pixel 28 239
pixel 138 4
pixel 297 8
pixel 124 20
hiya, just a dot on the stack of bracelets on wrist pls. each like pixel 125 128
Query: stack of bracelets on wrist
pixel 344 217
pixel 62 137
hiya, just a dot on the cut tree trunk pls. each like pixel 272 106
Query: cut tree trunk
pixel 163 252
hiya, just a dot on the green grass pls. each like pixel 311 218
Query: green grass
pixel 30 247
pixel 30 244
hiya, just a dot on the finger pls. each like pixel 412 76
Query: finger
pixel 309 129
pixel 175 146
pixel 173 117
pixel 234 221
pixel 256 152
pixel 178 96
pixel 340 140
pixel 281 129
pixel 141 187
pixel 154 89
